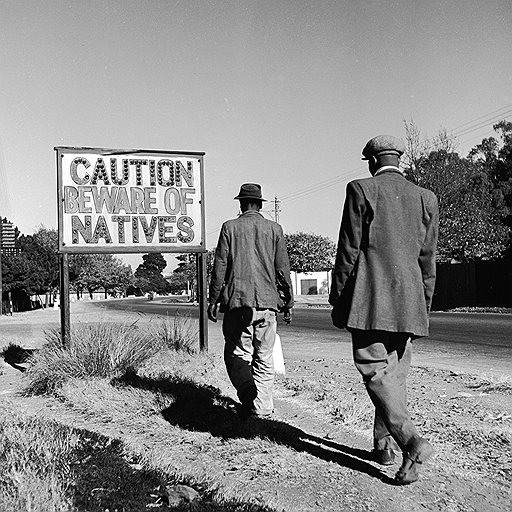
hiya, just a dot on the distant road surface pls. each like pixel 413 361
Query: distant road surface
pixel 474 341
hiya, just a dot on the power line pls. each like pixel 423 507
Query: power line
pixel 482 124
pixel 493 113
pixel 471 126
pixel 460 130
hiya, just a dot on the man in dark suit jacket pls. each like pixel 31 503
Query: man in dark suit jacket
pixel 382 288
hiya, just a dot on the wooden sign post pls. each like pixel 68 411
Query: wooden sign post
pixel 117 201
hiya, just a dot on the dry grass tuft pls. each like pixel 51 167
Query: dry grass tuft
pixel 179 333
pixel 34 465
pixel 105 350
pixel 95 350
pixel 14 353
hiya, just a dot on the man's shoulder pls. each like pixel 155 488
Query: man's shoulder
pixel 360 183
pixel 373 183
pixel 256 218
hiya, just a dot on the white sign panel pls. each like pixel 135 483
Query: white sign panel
pixel 125 201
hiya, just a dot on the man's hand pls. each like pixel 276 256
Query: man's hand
pixel 287 315
pixel 212 312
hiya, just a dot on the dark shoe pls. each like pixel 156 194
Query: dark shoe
pixel 419 452
pixel 384 457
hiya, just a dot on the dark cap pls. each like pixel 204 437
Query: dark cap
pixel 383 145
pixel 250 191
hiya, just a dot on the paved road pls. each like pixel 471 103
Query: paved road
pixel 480 343
pixel 475 329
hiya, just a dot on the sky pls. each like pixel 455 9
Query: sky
pixel 284 93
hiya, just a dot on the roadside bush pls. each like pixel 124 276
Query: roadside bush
pixel 101 349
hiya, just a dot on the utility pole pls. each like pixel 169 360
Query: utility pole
pixel 276 209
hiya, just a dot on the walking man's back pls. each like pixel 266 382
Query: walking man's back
pixel 382 288
pixel 251 275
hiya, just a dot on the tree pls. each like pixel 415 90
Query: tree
pixel 187 268
pixel 35 270
pixel 309 252
pixel 95 271
pixel 148 275
pixel 472 205
pixel 419 147
pixel 469 224
pixel 495 158
pixel 178 283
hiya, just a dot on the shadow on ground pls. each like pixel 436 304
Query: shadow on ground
pixel 103 479
pixel 203 408
pixel 17 356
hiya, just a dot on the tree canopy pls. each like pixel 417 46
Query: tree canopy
pixel 309 252
pixel 35 269
pixel 148 275
pixel 472 204
pixel 92 272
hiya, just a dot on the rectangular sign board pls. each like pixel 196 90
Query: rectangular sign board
pixel 130 201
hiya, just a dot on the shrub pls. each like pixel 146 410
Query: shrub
pixel 95 350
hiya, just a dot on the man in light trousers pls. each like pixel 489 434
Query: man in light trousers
pixel 251 281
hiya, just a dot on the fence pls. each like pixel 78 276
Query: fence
pixel 474 283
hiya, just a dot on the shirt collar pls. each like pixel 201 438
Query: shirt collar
pixel 251 212
pixel 385 168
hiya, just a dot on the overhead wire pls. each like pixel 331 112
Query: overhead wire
pixel 466 128
pixel 463 129
pixel 493 113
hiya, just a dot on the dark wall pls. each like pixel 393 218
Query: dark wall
pixel 475 283
pixel 20 302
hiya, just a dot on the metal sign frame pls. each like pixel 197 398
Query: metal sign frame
pixel 125 248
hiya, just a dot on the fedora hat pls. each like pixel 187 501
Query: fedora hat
pixel 250 191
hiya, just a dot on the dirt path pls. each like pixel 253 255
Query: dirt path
pixel 320 458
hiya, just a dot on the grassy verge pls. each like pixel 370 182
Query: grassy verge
pixel 48 467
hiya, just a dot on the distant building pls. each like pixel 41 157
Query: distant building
pixel 311 283
pixel 8 238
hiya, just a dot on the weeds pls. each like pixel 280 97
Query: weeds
pixel 177 333
pixel 95 350
pixel 33 465
pixel 350 413
pixel 13 353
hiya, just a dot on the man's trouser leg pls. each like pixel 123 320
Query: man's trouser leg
pixel 264 336
pixel 250 335
pixel 383 359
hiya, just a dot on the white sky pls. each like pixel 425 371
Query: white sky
pixel 282 93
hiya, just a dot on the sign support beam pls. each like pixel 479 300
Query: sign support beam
pixel 65 317
pixel 1 289
pixel 203 303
